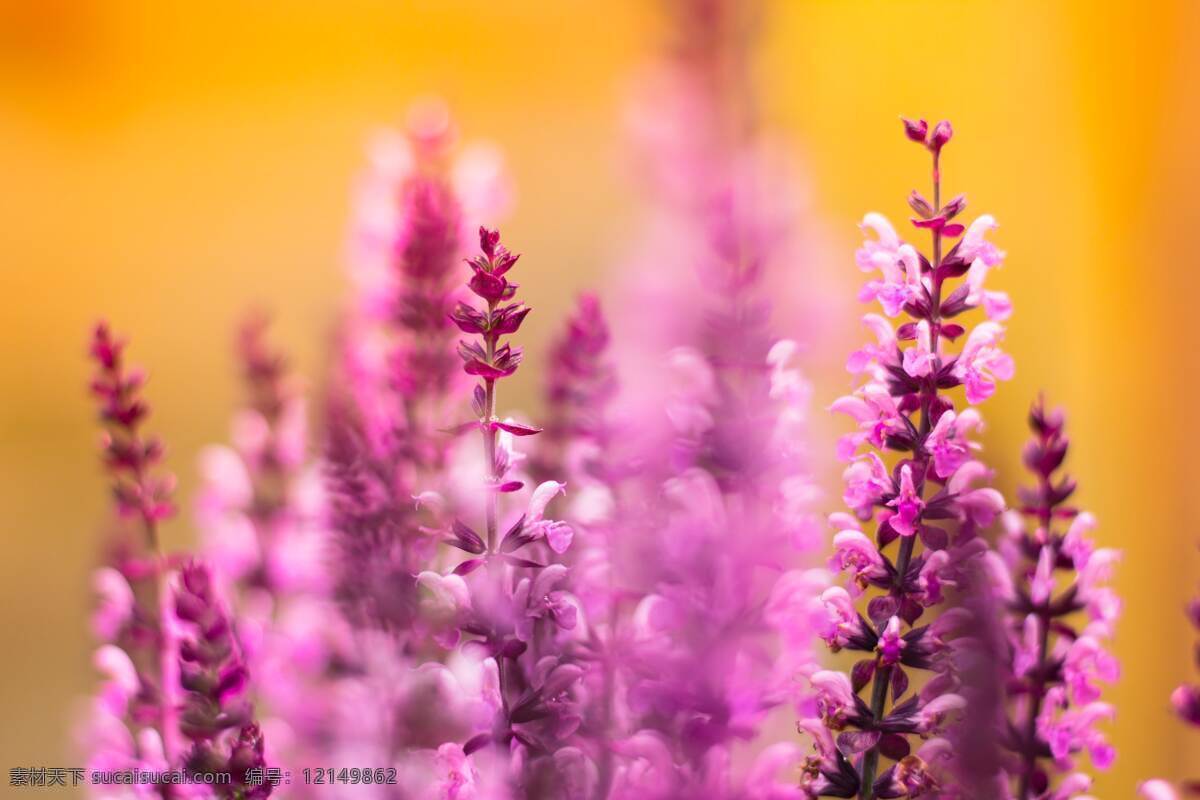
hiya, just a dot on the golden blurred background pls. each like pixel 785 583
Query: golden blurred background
pixel 166 165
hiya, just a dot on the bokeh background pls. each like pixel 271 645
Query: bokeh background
pixel 166 165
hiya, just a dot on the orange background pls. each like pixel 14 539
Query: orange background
pixel 167 164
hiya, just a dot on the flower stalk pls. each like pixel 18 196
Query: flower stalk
pixel 927 501
pixel 1055 666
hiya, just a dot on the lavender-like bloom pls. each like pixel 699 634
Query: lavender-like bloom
pixel 135 720
pixel 261 518
pixel 515 608
pixel 579 442
pixel 928 498
pixel 261 507
pixel 1055 664
pixel 214 677
pixel 580 382
pixel 397 371
pixel 712 504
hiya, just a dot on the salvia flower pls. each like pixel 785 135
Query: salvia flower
pixel 135 722
pixel 515 610
pixel 261 519
pixel 216 714
pixel 397 372
pixel 926 503
pixel 1062 614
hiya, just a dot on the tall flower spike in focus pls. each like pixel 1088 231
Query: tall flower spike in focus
pixel 516 609
pixel 926 508
pixel 134 723
pixel 1062 615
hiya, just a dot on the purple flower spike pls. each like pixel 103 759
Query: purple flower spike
pixel 1061 615
pixel 927 507
pixel 129 456
pixel 508 600
pixel 398 373
pixel 135 619
pixel 216 715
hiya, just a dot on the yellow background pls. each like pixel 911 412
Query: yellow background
pixel 166 164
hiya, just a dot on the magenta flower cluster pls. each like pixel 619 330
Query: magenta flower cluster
pixel 1048 572
pixel 431 602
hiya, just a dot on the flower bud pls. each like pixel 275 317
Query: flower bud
pixel 941 134
pixel 915 130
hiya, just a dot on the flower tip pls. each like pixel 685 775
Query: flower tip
pixel 915 129
pixel 488 240
pixel 942 134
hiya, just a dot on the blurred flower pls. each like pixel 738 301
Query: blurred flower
pixel 134 722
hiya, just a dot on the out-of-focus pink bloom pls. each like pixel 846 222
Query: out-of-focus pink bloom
pixel 933 715
pixel 885 352
pixel 115 605
pixel 1157 790
pixel 457 777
